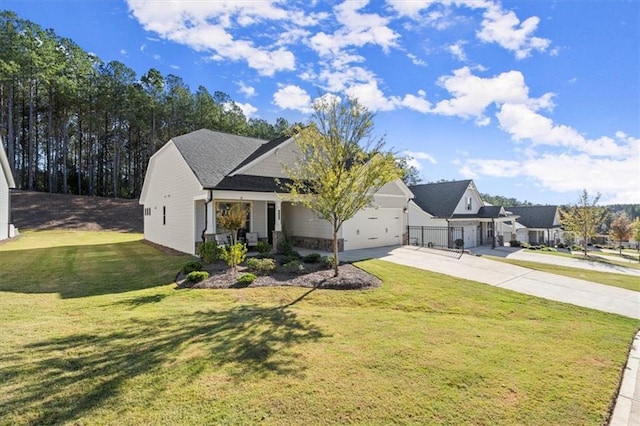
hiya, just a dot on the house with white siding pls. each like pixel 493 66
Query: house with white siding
pixel 537 224
pixel 457 208
pixel 7 229
pixel 193 176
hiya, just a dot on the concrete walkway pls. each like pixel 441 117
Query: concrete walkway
pixel 533 256
pixel 550 286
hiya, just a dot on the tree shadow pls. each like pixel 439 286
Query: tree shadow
pixel 65 377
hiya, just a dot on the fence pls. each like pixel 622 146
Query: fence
pixel 437 237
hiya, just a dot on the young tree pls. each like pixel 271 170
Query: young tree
pixel 233 219
pixel 584 217
pixel 341 164
pixel 410 173
pixel 636 234
pixel 620 230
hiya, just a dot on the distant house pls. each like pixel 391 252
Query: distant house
pixel 537 224
pixel 458 207
pixel 195 175
pixel 6 184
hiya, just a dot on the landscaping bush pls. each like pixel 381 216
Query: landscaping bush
pixel 209 251
pixel 263 247
pixel 327 261
pixel 560 245
pixel 261 266
pixel 197 276
pixel 312 258
pixel 294 255
pixel 459 243
pixel 246 279
pixel 293 267
pixel 514 243
pixel 234 255
pixel 285 246
pixel 525 244
pixel 576 247
pixel 192 265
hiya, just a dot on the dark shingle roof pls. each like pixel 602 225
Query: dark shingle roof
pixel 439 199
pixel 485 212
pixel 263 150
pixel 213 155
pixel 535 216
pixel 252 183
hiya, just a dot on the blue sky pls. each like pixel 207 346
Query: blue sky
pixel 532 99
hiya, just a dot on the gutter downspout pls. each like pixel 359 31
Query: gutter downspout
pixel 493 239
pixel 206 216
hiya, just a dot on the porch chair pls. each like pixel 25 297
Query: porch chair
pixel 223 239
pixel 251 239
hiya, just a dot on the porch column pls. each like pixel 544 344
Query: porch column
pixel 211 222
pixel 278 224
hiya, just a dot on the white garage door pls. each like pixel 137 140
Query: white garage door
pixel 373 228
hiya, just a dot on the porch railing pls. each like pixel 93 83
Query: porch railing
pixel 449 239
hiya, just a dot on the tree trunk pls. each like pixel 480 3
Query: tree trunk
pixel 335 249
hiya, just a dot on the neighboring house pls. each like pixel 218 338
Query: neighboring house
pixel 457 207
pixel 6 183
pixel 537 224
pixel 195 175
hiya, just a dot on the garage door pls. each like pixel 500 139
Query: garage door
pixel 373 228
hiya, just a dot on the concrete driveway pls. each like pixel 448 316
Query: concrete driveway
pixel 533 256
pixel 549 286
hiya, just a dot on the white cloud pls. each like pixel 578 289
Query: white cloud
pixel 205 27
pixel 292 97
pixel 505 29
pixel 415 158
pixel 247 91
pixel 472 94
pixel 248 109
pixel 416 61
pixel 457 50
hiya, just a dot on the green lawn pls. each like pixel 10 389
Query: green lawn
pixel 98 334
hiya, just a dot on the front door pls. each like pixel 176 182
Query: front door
pixel 271 221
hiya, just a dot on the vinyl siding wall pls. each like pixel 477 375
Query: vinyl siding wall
pixel 172 188
pixel 4 205
pixel 300 221
pixel 272 165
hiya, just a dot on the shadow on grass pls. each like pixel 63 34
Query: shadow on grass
pixel 64 378
pixel 88 270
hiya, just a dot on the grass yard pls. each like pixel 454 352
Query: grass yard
pixel 98 334
pixel 630 282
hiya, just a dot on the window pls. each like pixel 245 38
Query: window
pixel 469 205
pixel 225 206
pixel 164 215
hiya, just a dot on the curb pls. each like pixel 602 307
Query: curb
pixel 627 409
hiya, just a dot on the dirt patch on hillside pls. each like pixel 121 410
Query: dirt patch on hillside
pixel 44 211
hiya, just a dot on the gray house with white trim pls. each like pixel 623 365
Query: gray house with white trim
pixel 194 175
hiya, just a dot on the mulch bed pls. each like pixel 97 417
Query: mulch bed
pixel 350 277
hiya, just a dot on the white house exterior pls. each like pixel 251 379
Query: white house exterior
pixel 538 224
pixel 457 206
pixel 194 175
pixel 6 184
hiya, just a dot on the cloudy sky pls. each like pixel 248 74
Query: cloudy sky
pixel 532 99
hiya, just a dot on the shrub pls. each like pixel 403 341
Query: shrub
pixel 261 266
pixel 293 267
pixel 285 246
pixel 514 243
pixel 312 258
pixel 560 245
pixel 246 279
pixel 263 247
pixel 459 243
pixel 234 255
pixel 294 255
pixel 576 247
pixel 197 276
pixel 209 251
pixel 192 265
pixel 547 249
pixel 327 261
pixel 525 244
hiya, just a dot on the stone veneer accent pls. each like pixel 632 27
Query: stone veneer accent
pixel 320 244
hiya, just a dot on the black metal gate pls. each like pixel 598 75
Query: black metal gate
pixel 447 238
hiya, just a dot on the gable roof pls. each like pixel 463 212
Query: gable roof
pixel 439 199
pixel 213 155
pixel 4 167
pixel 542 217
pixel 262 150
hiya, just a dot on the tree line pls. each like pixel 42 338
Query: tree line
pixel 73 123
